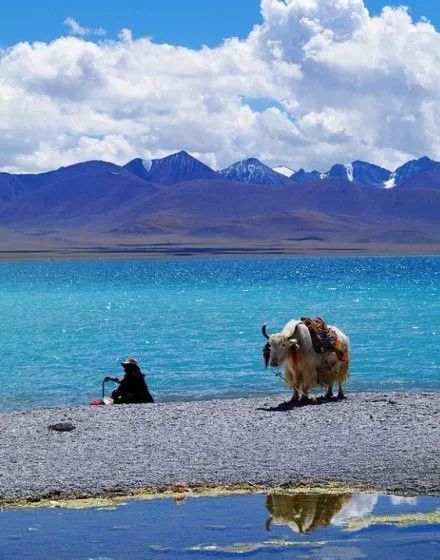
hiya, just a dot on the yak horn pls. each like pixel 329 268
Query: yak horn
pixel 264 331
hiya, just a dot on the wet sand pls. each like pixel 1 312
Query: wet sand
pixel 385 442
pixel 72 246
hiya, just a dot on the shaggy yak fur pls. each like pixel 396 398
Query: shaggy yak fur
pixel 312 354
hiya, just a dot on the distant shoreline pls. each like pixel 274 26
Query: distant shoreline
pixel 199 251
pixel 388 442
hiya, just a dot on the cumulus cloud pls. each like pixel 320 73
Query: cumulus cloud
pixel 337 84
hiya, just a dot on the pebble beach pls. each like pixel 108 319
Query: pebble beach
pixel 375 441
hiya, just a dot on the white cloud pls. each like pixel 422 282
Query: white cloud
pixel 77 29
pixel 344 86
pixel 100 31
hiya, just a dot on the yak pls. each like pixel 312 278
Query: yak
pixel 306 365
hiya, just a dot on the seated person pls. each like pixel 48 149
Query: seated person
pixel 132 387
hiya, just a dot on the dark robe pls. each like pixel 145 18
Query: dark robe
pixel 132 389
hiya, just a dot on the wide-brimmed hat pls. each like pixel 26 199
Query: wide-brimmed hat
pixel 130 362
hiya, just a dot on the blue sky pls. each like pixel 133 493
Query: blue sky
pixel 289 93
pixel 185 22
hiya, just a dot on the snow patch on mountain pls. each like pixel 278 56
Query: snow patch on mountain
pixel 147 164
pixel 391 183
pixel 349 169
pixel 283 170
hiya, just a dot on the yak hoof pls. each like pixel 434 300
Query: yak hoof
pixel 341 396
pixel 328 396
pixel 304 399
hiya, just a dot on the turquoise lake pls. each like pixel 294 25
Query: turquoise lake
pixel 306 527
pixel 194 325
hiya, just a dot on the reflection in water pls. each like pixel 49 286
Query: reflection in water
pixel 359 507
pixel 398 500
pixel 304 513
pixel 226 526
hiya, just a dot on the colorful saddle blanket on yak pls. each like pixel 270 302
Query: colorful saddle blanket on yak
pixel 324 339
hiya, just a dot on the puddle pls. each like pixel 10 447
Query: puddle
pixel 317 526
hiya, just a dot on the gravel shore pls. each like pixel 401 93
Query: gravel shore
pixel 389 442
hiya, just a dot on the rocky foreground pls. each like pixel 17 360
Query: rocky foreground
pixel 389 442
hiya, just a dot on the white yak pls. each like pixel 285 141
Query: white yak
pixel 304 368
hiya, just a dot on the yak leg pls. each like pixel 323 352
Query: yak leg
pixel 341 392
pixel 305 394
pixel 295 396
pixel 329 394
pixel 292 381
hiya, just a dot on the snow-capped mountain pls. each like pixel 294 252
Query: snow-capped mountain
pixel 171 169
pixel 254 172
pixel 283 170
pixel 182 166
pixel 360 172
pixel 104 198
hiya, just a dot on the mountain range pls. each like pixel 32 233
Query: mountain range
pixel 180 200
pixel 181 166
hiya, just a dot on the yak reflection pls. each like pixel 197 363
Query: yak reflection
pixel 304 513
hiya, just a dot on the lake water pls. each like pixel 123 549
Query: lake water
pixel 194 325
pixel 315 527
